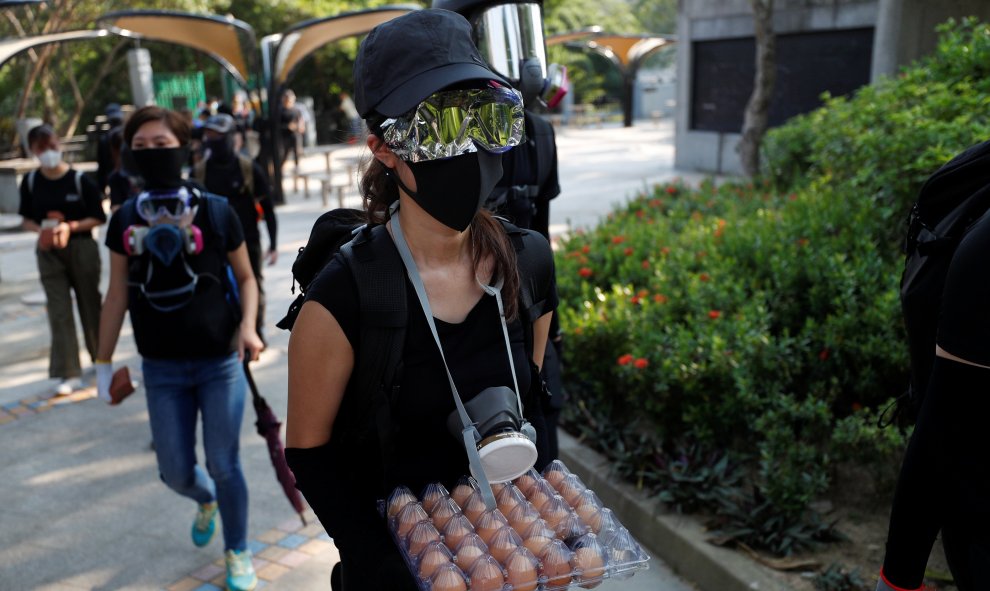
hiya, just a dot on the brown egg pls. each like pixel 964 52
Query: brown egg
pixel 540 493
pixel 527 480
pixel 432 557
pixel 407 517
pixel 488 523
pixel 448 578
pixel 556 559
pixel 399 498
pixel 570 527
pixel 474 506
pixel 470 548
pixel 554 511
pixel 443 511
pixel 420 535
pixel 433 494
pixel 463 490
pixel 522 517
pixel 504 542
pixel 538 528
pixel 607 523
pixel 588 497
pixel 589 560
pixel 509 498
pixel 456 529
pixel 522 570
pixel 555 472
pixel 498 486
pixel 571 488
pixel 536 544
pixel 486 575
pixel 590 516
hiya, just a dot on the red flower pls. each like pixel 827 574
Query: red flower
pixel 628 251
pixel 857 407
pixel 704 277
pixel 802 242
pixel 585 249
pixel 646 264
pixel 618 239
pixel 713 314
pixel 671 190
pixel 640 213
pixel 640 363
pixel 625 359
pixel 585 272
pixel 660 298
pixel 634 300
pixel 701 254
pixel 792 196
pixel 642 293
pixel 665 250
pixel 823 354
pixel 656 203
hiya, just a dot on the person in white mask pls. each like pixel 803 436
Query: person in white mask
pixel 64 206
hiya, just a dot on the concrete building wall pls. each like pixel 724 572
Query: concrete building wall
pixel 703 20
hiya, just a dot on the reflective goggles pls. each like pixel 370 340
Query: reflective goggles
pixel 170 206
pixel 454 122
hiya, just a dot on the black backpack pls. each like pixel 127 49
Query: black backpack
pixel 949 203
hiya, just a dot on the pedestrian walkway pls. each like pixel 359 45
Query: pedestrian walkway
pixel 82 507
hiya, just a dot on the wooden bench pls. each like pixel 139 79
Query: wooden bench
pixel 328 183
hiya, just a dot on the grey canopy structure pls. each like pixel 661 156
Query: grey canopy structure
pixel 627 52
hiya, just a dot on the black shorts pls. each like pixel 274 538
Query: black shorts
pixel 964 321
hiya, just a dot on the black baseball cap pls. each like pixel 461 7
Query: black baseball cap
pixel 406 59
pixel 220 123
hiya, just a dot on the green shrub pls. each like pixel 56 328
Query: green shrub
pixel 761 320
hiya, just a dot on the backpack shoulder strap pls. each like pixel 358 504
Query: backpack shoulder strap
pixel 247 171
pixel 78 180
pixel 380 278
pixel 199 171
pixel 30 181
pixel 535 262
pixel 216 211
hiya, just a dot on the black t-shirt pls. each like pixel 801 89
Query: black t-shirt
pixel 121 187
pixel 289 115
pixel 206 326
pixel 60 195
pixel 226 179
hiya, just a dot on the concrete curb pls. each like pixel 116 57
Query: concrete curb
pixel 678 540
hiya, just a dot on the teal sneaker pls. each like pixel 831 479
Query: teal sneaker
pixel 240 571
pixel 205 524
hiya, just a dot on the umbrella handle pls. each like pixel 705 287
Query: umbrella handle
pixel 250 380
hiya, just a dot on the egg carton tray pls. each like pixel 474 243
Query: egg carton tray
pixel 548 532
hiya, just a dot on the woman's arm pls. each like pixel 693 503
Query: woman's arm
pixel 321 360
pixel 114 307
pixel 249 342
pixel 541 328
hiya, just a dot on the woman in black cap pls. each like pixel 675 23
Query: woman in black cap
pixel 439 119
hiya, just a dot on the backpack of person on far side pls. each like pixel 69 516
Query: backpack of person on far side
pixel 950 202
pixel 34 173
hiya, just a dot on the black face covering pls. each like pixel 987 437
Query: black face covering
pixel 452 190
pixel 221 149
pixel 161 168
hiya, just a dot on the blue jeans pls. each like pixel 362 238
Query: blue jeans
pixel 177 390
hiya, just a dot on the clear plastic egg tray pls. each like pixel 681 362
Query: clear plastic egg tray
pixel 549 532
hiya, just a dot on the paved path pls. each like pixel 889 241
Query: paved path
pixel 82 506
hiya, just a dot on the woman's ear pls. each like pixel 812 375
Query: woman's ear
pixel 382 152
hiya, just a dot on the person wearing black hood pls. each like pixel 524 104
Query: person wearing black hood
pixel 225 172
pixel 170 251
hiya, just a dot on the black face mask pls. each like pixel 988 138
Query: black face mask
pixel 220 149
pixel 452 190
pixel 161 168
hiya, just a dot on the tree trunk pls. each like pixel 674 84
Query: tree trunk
pixel 758 107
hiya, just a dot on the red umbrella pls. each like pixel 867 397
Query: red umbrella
pixel 269 427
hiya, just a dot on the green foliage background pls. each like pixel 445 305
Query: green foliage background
pixel 761 321
pixel 323 76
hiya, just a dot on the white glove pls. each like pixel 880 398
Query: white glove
pixel 104 375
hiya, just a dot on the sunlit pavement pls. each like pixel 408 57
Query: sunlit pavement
pixel 82 507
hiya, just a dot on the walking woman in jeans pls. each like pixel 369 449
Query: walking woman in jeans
pixel 170 247
pixel 64 206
